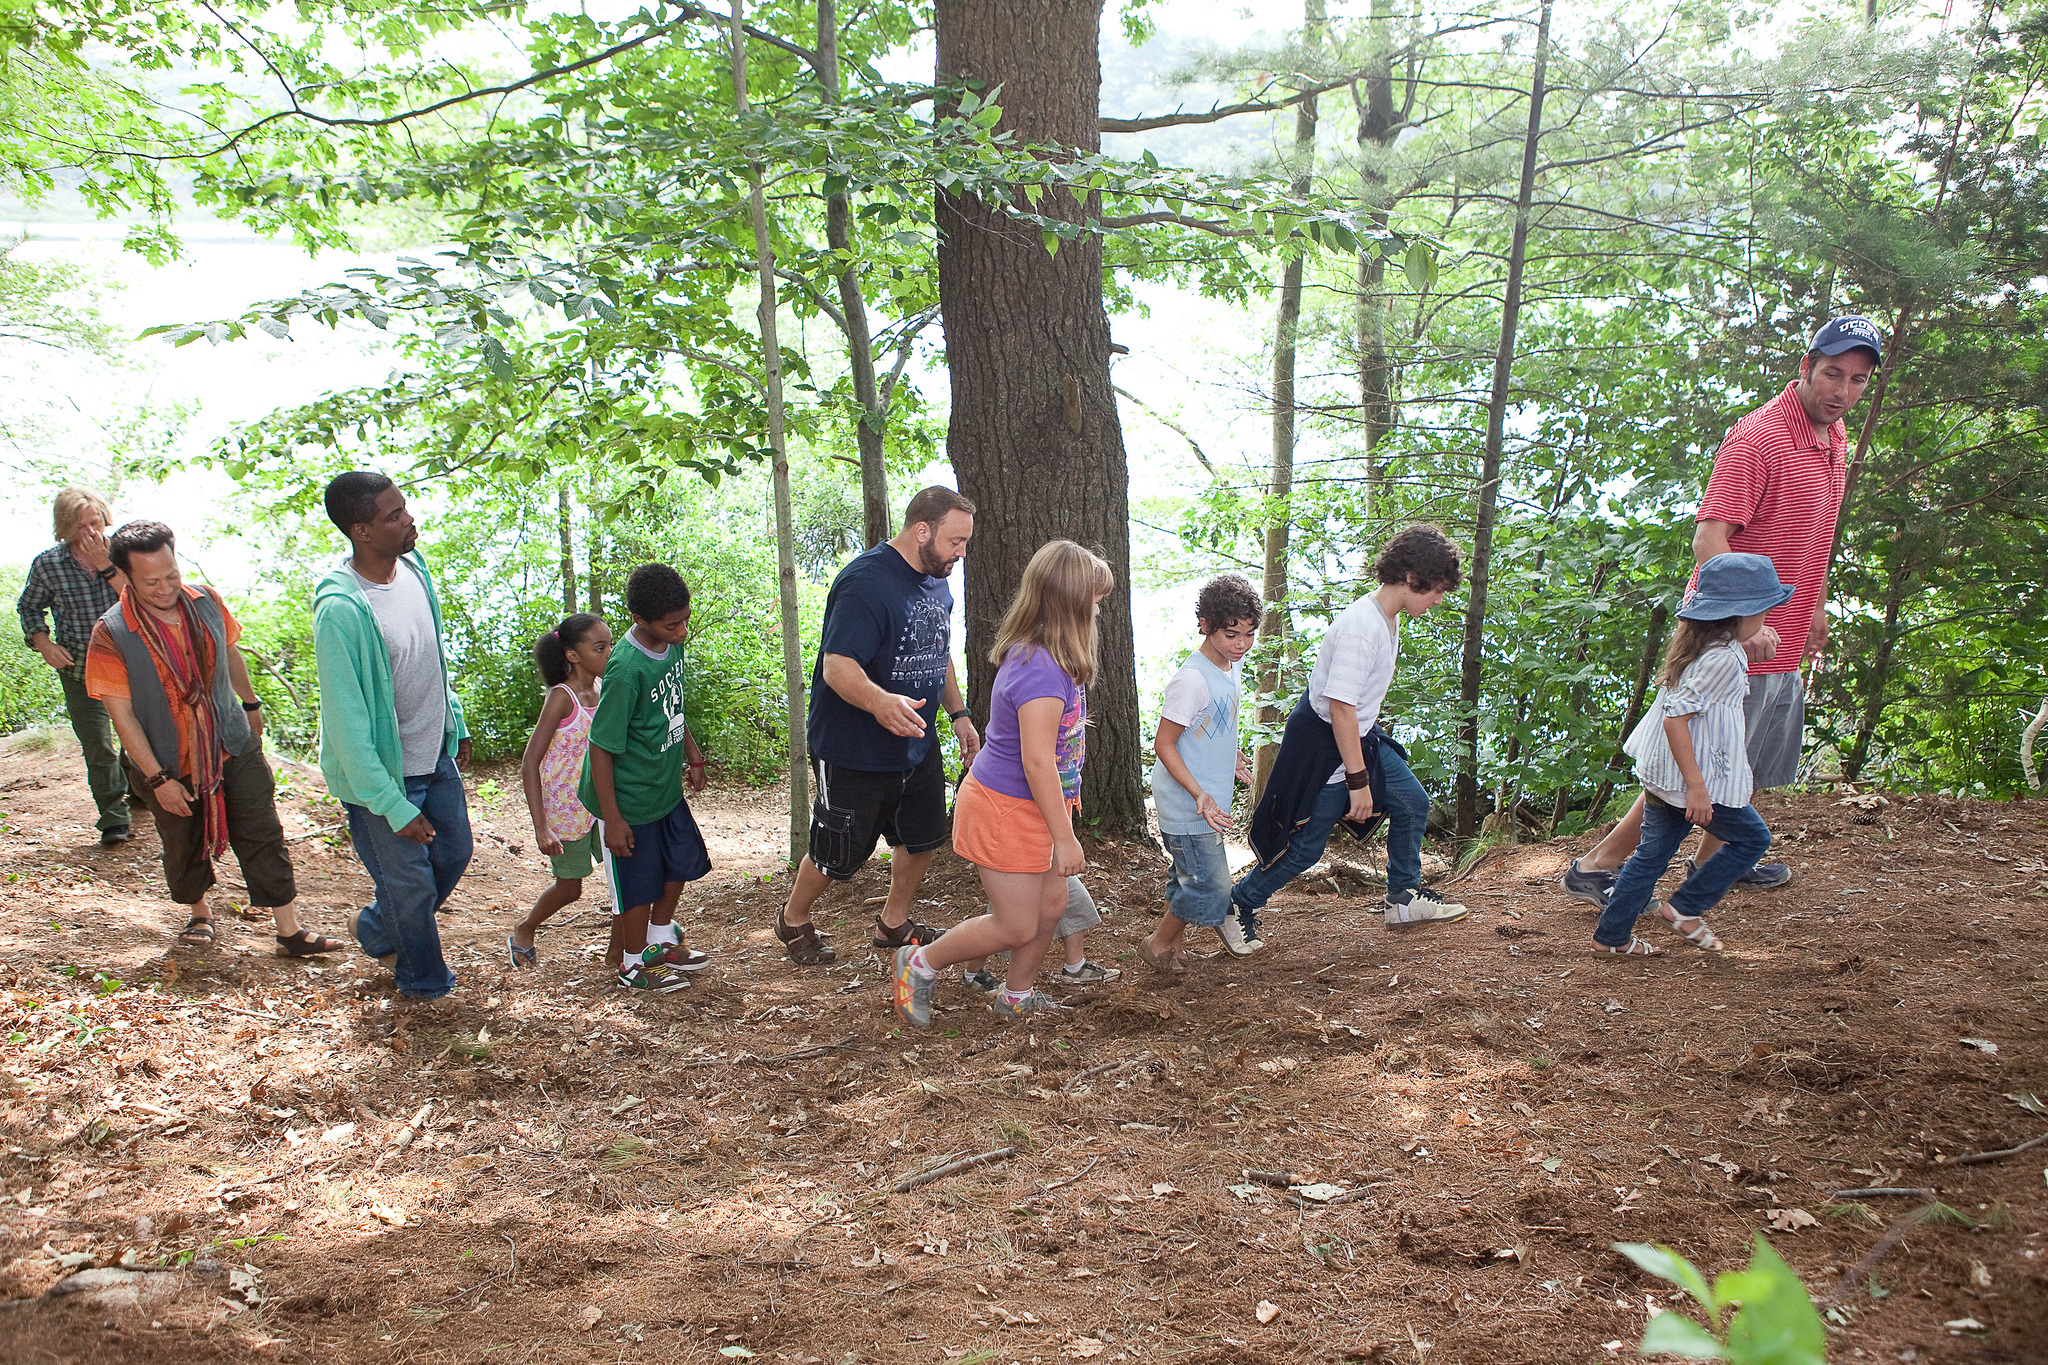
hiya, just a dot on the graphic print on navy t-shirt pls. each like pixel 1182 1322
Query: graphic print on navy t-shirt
pixel 922 649
pixel 896 623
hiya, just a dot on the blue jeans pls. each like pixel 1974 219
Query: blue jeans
pixel 412 880
pixel 1198 889
pixel 1407 812
pixel 1744 839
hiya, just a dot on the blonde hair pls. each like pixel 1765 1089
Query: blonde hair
pixel 1055 608
pixel 72 504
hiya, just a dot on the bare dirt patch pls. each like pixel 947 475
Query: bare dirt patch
pixel 706 1176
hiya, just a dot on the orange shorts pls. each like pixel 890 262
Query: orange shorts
pixel 1000 833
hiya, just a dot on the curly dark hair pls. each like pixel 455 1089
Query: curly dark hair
pixel 1420 556
pixel 654 591
pixel 1226 600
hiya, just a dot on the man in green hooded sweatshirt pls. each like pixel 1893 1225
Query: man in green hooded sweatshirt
pixel 392 740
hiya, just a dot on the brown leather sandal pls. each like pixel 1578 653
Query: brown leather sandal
pixel 802 943
pixel 907 934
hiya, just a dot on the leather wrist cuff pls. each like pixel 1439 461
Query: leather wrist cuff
pixel 1359 780
pixel 161 776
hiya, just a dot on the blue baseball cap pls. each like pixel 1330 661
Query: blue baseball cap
pixel 1848 334
pixel 1735 585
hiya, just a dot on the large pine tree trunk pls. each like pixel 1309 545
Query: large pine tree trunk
pixel 1033 437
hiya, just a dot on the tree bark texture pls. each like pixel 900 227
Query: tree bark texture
pixel 793 681
pixel 860 346
pixel 568 530
pixel 1378 125
pixel 1273 626
pixel 1880 669
pixel 1639 695
pixel 1033 435
pixel 1489 474
pixel 595 557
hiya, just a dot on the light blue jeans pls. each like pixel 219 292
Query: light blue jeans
pixel 1406 808
pixel 413 880
pixel 1198 889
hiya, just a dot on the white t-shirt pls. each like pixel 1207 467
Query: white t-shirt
pixel 1355 665
pixel 419 689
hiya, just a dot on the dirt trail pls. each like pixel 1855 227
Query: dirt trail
pixel 705 1176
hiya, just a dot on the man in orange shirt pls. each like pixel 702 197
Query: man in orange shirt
pixel 164 663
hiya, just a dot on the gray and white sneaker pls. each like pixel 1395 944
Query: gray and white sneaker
pixel 1763 875
pixel 1035 1005
pixel 1240 932
pixel 1406 909
pixel 1587 886
pixel 1087 974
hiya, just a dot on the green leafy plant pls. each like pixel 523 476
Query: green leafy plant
pixel 1774 1322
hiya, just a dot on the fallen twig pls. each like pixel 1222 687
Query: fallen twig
pixel 1279 1180
pixel 1060 1184
pixel 911 1182
pixel 316 831
pixel 1879 1189
pixel 1978 1157
pixel 802 1054
pixel 1853 1276
pixel 1125 1065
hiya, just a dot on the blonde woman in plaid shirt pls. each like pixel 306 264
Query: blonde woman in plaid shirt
pixel 74 582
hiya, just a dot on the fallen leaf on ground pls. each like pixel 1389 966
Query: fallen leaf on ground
pixel 1267 1310
pixel 1962 1325
pixel 1984 1045
pixel 1080 1272
pixel 1278 1066
pixel 1791 1220
pixel 2029 1101
pixel 1980 1275
pixel 385 1213
pixel 589 1316
pixel 1081 1348
pixel 1321 1193
pixel 1162 1189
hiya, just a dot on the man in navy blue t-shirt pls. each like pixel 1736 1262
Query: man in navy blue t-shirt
pixel 884 673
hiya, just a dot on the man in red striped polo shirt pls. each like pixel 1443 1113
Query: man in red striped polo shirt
pixel 1776 490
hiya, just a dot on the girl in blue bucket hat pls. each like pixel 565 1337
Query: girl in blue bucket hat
pixel 1691 755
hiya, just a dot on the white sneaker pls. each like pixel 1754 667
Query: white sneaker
pixel 1240 932
pixel 1407 909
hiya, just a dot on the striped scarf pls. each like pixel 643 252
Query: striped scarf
pixel 189 680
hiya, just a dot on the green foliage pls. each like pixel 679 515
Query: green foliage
pixel 1774 1322
pixel 29 692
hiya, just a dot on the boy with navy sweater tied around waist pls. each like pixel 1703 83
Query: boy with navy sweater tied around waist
pixel 1692 754
pixel 1336 765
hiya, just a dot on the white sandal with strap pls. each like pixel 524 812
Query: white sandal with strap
pixel 1635 947
pixel 1699 935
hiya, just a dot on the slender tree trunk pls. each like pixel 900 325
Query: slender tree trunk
pixel 595 558
pixel 562 513
pixel 860 350
pixel 1374 97
pixel 785 542
pixel 1901 340
pixel 1639 695
pixel 1273 626
pixel 1489 475
pixel 1880 671
pixel 1033 435
pixel 1578 693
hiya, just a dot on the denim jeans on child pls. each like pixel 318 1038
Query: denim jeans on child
pixel 412 880
pixel 1744 839
pixel 1198 889
pixel 1407 812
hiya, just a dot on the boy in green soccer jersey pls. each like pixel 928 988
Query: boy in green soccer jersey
pixel 641 754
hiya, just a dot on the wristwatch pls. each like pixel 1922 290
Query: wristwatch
pixel 252 705
pixel 106 574
pixel 961 714
pixel 161 776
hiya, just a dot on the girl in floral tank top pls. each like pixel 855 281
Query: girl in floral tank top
pixel 571 660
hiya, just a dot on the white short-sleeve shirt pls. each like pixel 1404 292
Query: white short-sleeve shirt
pixel 1355 665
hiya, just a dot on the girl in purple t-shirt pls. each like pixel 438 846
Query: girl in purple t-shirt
pixel 1014 815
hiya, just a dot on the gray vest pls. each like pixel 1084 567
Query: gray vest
pixel 146 690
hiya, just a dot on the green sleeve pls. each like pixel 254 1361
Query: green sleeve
pixel 609 728
pixel 347 735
